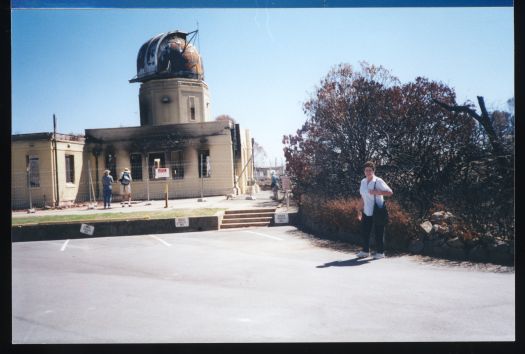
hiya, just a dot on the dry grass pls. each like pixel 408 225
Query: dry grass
pixel 115 216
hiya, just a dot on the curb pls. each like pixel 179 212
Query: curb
pixel 62 231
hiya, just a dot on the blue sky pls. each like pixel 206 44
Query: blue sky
pixel 260 64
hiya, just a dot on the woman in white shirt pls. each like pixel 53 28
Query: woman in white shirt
pixel 372 190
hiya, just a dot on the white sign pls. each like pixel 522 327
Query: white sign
pixel 87 229
pixel 162 172
pixel 285 183
pixel 182 222
pixel 281 218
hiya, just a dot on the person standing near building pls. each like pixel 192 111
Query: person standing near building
pixel 372 190
pixel 125 187
pixel 107 187
pixel 275 186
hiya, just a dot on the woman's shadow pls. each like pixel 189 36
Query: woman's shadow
pixel 348 263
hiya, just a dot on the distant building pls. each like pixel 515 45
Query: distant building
pixel 175 131
pixel 266 172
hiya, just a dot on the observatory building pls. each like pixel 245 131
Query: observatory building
pixel 204 156
pixel 172 88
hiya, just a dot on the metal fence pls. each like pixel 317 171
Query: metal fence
pixel 184 182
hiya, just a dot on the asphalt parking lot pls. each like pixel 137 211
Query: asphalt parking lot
pixel 247 285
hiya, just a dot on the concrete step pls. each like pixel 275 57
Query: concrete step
pixel 248 224
pixel 248 216
pixel 245 220
pixel 250 211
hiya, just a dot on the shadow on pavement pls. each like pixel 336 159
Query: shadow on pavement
pixel 348 263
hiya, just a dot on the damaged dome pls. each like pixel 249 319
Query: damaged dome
pixel 169 55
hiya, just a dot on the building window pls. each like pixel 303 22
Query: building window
pixel 70 169
pixel 191 107
pixel 204 163
pixel 33 171
pixel 111 163
pixel 177 164
pixel 151 162
pixel 135 161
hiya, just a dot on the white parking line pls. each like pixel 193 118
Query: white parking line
pixel 161 240
pixel 64 245
pixel 260 234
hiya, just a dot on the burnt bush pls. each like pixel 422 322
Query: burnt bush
pixel 338 216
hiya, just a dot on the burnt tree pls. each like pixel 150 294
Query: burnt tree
pixel 483 119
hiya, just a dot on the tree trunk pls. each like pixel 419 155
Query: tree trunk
pixel 483 119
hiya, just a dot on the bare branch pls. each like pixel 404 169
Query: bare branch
pixel 460 109
pixel 483 119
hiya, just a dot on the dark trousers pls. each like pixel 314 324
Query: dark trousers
pixel 366 226
pixel 107 197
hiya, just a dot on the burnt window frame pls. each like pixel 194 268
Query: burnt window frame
pixel 136 167
pixel 177 166
pixel 110 162
pixel 151 162
pixel 201 164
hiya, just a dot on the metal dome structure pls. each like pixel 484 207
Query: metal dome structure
pixel 169 55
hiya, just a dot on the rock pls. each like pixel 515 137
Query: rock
pixel 440 250
pixel 487 238
pixel 431 236
pixel 440 216
pixel 479 254
pixel 498 246
pixel 471 242
pixel 427 247
pixel 441 229
pixel 445 251
pixel 456 253
pixel 416 246
pixel 426 226
pixel 499 252
pixel 455 243
pixel 438 242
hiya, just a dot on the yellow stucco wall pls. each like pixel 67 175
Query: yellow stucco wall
pixel 177 92
pixel 68 192
pixel 219 183
pixel 19 184
pixel 79 187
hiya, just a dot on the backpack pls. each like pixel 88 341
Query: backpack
pixel 125 179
